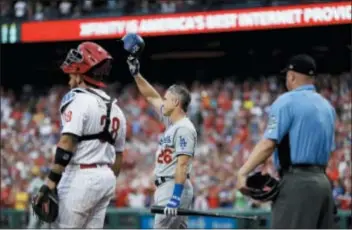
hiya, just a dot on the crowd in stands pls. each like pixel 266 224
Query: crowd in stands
pixel 230 118
pixel 47 9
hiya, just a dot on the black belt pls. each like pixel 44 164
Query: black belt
pixel 161 180
pixel 303 167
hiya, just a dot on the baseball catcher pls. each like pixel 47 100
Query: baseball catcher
pixel 88 156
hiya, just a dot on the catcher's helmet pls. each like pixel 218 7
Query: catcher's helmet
pixel 89 60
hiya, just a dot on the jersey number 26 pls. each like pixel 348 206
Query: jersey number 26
pixel 115 125
pixel 165 156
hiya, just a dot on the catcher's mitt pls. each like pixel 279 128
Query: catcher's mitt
pixel 262 187
pixel 45 204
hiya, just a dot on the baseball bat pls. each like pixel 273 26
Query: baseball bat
pixel 187 212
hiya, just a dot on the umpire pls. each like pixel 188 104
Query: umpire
pixel 301 133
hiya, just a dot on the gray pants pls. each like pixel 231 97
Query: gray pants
pixel 305 201
pixel 162 195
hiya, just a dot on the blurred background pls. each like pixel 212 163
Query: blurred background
pixel 228 52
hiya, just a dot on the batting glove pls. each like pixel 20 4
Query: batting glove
pixel 133 65
pixel 174 202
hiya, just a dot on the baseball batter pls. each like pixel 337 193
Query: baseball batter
pixel 89 153
pixel 175 152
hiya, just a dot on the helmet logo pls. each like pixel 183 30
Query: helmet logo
pixel 135 49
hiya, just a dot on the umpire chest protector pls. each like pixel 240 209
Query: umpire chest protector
pixel 104 135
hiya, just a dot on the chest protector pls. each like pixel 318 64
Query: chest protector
pixel 104 135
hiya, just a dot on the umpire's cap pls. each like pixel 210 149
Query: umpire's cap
pixel 301 63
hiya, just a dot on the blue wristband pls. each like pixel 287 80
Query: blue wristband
pixel 178 190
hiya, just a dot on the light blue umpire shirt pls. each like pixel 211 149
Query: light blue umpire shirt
pixel 302 123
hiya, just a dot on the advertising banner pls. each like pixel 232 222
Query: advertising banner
pixel 189 23
pixel 197 222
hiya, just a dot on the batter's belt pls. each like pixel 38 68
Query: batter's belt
pixel 161 180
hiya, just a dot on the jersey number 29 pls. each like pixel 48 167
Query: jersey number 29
pixel 115 125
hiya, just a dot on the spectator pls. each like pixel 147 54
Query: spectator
pixel 38 11
pixel 149 196
pixel 76 12
pixel 167 6
pixel 5 9
pixel 337 189
pixel 240 201
pixel 21 9
pixel 87 6
pixel 112 5
pixel 201 202
pixel 21 197
pixel 225 198
pixel 136 199
pixel 51 11
pixel 6 198
pixel 345 199
pixel 121 199
pixel 144 7
pixel 65 8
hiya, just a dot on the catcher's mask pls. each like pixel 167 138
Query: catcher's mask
pixel 89 60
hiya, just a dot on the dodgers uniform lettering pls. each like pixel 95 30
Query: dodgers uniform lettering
pixel 185 142
pixel 84 194
pixel 179 138
pixel 306 139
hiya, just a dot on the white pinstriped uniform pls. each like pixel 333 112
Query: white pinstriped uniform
pixel 84 194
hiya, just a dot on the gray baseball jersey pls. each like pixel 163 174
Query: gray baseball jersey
pixel 179 138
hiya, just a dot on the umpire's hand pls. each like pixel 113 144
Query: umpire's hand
pixel 241 183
